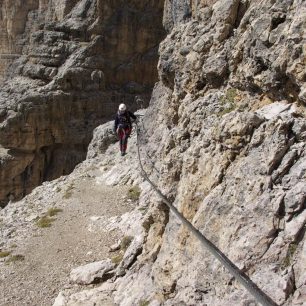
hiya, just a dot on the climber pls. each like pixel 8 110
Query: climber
pixel 123 126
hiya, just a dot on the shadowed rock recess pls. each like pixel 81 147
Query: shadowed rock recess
pixel 65 66
pixel 227 135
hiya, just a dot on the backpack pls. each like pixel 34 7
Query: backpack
pixel 124 120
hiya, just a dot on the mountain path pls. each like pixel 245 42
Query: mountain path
pixel 51 253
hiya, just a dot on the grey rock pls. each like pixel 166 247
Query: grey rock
pixel 228 146
pixel 103 136
pixel 295 198
pixel 92 272
pixel 272 110
pixel 302 95
pixel 130 255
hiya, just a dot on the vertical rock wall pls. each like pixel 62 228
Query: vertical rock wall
pixel 227 133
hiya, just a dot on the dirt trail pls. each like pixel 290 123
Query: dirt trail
pixel 51 253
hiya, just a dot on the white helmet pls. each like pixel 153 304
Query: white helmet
pixel 122 107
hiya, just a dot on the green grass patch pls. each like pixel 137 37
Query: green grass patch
pixel 53 211
pixel 228 101
pixel 4 254
pixel 44 222
pixel 117 259
pixel 143 303
pixel 15 258
pixel 125 242
pixel 230 96
pixel 134 193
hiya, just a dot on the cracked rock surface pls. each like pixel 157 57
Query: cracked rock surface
pixel 224 139
pixel 225 133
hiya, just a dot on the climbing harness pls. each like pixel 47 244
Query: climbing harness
pixel 251 287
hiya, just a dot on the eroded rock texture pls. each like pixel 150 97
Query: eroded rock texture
pixel 228 138
pixel 65 66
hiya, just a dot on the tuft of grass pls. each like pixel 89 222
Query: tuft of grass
pixel 4 254
pixel 53 211
pixel 15 258
pixel 44 222
pixel 117 259
pixel 68 192
pixel 144 303
pixel 134 193
pixel 228 101
pixel 231 95
pixel 125 242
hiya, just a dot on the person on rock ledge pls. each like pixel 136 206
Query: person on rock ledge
pixel 123 126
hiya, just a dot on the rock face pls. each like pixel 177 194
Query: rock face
pixel 226 128
pixel 229 121
pixel 224 138
pixel 65 66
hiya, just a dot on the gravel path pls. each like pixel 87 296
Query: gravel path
pixel 50 253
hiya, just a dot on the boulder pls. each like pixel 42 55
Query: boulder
pixel 92 272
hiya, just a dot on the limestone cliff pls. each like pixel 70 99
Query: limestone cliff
pixel 224 138
pixel 65 66
pixel 229 121
pixel 226 128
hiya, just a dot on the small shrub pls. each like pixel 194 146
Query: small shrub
pixel 44 222
pixel 15 258
pixel 125 242
pixel 134 193
pixel 4 254
pixel 53 211
pixel 117 259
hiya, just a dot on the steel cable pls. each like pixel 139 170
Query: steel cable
pixel 244 280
